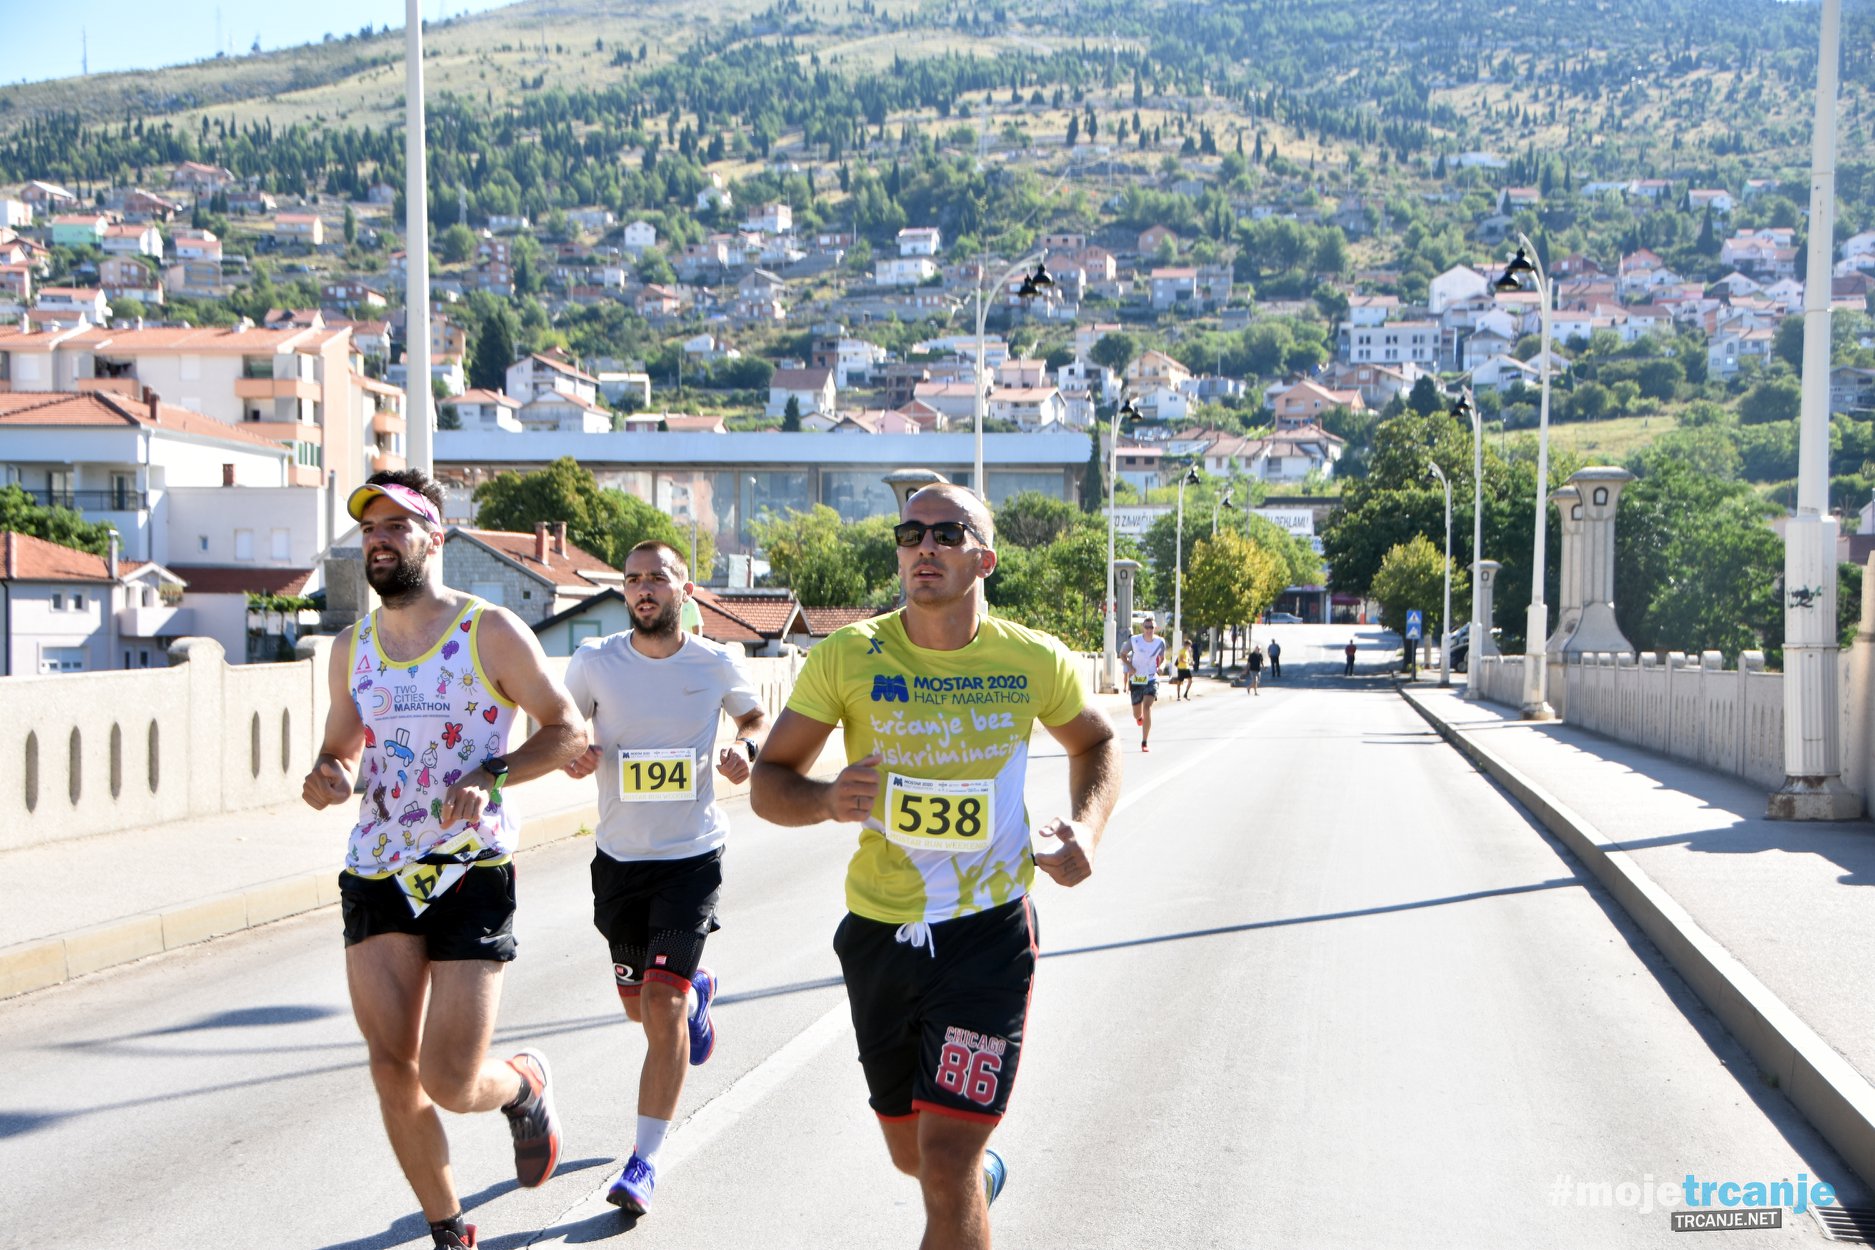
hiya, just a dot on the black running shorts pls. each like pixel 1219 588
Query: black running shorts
pixel 940 1030
pixel 655 914
pixel 1184 674
pixel 1143 690
pixel 473 919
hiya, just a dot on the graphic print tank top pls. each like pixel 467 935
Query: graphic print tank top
pixel 427 722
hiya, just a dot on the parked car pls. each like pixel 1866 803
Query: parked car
pixel 1461 643
pixel 1281 618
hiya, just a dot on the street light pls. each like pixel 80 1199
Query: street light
pixel 1178 562
pixel 1108 640
pixel 1536 626
pixel 1445 613
pixel 1465 409
pixel 1032 285
pixel 1217 640
pixel 1223 502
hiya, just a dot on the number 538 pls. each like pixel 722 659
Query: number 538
pixel 932 815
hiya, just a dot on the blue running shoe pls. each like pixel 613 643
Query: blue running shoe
pixel 702 1031
pixel 995 1172
pixel 631 1192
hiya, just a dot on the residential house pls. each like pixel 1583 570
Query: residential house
pixel 1377 384
pixel 129 240
pixel 920 241
pixel 771 219
pixel 67 306
pixel 1460 282
pixel 251 203
pixel 561 412
pixel 1371 310
pixel 813 390
pixel 761 620
pixel 549 373
pixel 1394 343
pixel 146 206
pixel 865 421
pixel 657 300
pixel 1173 288
pixel 79 230
pixel 1149 239
pixel 480 409
pixel 130 277
pixel 1141 467
pixel 640 237
pixel 196 245
pixel 1030 407
pixel 1157 401
pixel 625 387
pixel 352 294
pixel 508 223
pixel 1766 253
pixel 299 229
pixel 1730 346
pixel 596 220
pixel 1718 200
pixel 1306 402
pixel 1513 200
pixel 848 358
pixel 14 214
pixel 535 576
pixel 956 401
pixel 47 197
pixel 16 284
pixel 202 179
pixel 1155 368
pixel 904 271
pixel 59 604
pixel 1851 390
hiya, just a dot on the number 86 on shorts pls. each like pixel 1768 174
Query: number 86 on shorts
pixel 970 1065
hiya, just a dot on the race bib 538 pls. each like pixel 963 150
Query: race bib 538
pixel 950 816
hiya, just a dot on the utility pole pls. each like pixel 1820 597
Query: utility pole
pixel 417 419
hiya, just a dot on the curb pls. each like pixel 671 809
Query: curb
pixel 45 962
pixel 1837 1100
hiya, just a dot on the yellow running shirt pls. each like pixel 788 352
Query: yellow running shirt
pixel 949 832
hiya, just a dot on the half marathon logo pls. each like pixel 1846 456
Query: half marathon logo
pixel 1727 1219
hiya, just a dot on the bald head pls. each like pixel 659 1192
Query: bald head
pixel 965 500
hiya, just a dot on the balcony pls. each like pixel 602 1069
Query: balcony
pixel 287 431
pixel 155 622
pixel 307 474
pixel 387 423
pixel 115 386
pixel 385 462
pixel 276 388
pixel 91 500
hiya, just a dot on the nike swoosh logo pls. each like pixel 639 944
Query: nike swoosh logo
pixel 698 690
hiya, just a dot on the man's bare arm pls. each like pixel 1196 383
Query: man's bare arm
pixel 515 663
pixel 1093 789
pixel 330 780
pixel 782 792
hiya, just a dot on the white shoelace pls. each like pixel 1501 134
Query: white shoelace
pixel 916 934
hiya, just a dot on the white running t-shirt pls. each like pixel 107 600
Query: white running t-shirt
pixel 1145 655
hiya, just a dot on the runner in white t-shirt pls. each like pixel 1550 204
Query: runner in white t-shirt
pixel 656 695
pixel 1144 654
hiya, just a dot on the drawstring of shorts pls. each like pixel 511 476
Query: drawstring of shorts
pixel 917 933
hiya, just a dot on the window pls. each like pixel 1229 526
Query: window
pixel 282 545
pixel 494 592
pixel 78 603
pixel 61 659
pixel 201 542
pixel 58 601
pixel 244 544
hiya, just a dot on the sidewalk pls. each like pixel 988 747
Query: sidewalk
pixel 1767 921
pixel 92 903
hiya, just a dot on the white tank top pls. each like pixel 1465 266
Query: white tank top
pixel 427 722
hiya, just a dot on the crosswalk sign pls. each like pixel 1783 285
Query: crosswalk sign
pixel 1415 625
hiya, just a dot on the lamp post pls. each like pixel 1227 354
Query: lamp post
pixel 1536 626
pixel 1466 408
pixel 1032 285
pixel 1178 562
pixel 1445 612
pixel 1223 502
pixel 417 398
pixel 1108 640
pixel 1217 640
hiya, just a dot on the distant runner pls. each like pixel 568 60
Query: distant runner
pixel 1144 654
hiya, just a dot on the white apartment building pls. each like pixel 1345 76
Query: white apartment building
pixel 1394 343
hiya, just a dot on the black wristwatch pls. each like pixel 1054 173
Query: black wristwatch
pixel 498 769
pixel 748 744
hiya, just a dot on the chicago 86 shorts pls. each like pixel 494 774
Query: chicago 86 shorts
pixel 940 1029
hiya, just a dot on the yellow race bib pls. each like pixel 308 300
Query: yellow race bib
pixel 955 817
pixel 658 775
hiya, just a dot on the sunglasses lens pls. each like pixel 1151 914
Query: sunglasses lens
pixel 947 533
pixel 908 533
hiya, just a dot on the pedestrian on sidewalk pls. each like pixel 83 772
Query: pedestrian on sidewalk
pixel 1276 660
pixel 1181 684
pixel 938 948
pixel 1253 669
pixel 655 695
pixel 1144 656
pixel 1349 670
pixel 424 693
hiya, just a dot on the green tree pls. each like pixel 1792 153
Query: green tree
pixel 563 491
pixel 1411 575
pixel 493 348
pixel 20 513
pixel 791 415
pixel 1774 399
pixel 455 245
pixel 1032 519
pixel 1230 580
pixel 1114 351
pixel 635 521
pixel 809 553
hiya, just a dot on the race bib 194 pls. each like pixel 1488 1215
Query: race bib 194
pixel 663 775
pixel 951 816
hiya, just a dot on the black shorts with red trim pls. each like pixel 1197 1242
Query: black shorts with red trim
pixel 940 1026
pixel 655 915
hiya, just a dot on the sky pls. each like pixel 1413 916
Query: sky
pixel 43 40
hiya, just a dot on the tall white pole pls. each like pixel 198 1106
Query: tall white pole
pixel 1813 787
pixel 1109 641
pixel 1178 572
pixel 1536 623
pixel 1445 612
pixel 418 421
pixel 1478 628
pixel 981 399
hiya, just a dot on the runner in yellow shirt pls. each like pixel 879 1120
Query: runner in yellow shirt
pixel 938 949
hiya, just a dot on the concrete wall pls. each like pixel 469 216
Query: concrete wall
pixel 90 753
pixel 1693 708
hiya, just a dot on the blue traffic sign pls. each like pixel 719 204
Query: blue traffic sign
pixel 1415 624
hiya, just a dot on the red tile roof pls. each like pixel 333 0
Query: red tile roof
pixel 823 621
pixel 227 579
pixel 569 570
pixel 24 558
pixel 104 408
pixel 771 614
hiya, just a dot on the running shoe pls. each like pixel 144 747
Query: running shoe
pixel 536 1129
pixel 1144 749
pixel 702 1030
pixel 631 1192
pixel 450 1241
pixel 994 1174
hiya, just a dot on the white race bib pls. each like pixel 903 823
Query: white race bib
pixel 660 775
pixel 950 816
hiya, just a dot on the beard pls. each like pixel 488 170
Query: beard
pixel 661 625
pixel 399 581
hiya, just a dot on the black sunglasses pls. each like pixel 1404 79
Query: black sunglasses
pixel 947 533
